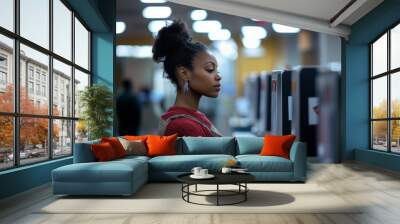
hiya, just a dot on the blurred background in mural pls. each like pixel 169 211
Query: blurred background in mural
pixel 275 79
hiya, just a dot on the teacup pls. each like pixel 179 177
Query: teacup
pixel 203 172
pixel 196 170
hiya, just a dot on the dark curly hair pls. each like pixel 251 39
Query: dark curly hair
pixel 174 47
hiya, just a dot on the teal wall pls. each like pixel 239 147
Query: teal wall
pixel 99 15
pixel 356 84
pixel 24 178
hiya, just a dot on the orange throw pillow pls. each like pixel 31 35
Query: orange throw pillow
pixel 277 145
pixel 161 145
pixel 134 137
pixel 103 152
pixel 116 145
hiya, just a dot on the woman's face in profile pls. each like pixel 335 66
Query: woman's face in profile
pixel 205 79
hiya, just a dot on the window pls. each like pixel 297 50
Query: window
pixel 30 72
pixel 47 76
pixel 37 89
pixel 385 91
pixel 38 74
pixel 30 87
pixel 34 22
pixel 44 91
pixel 62 29
pixel 7 73
pixel 81 45
pixel 7 14
pixel 3 78
pixel 3 61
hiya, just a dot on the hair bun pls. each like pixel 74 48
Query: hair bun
pixel 169 39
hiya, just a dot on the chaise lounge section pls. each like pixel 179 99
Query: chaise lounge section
pixel 125 176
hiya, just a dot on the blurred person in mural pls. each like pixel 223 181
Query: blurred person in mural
pixel 191 67
pixel 128 110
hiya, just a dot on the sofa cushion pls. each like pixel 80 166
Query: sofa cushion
pixel 103 152
pixel 161 145
pixel 185 163
pixel 277 145
pixel 111 171
pixel 249 145
pixel 206 145
pixel 116 145
pixel 134 147
pixel 257 163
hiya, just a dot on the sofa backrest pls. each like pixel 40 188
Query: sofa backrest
pixel 83 152
pixel 249 145
pixel 206 145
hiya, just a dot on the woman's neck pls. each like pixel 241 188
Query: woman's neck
pixel 190 100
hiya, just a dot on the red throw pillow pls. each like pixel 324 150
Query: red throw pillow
pixel 116 145
pixel 103 152
pixel 277 145
pixel 161 145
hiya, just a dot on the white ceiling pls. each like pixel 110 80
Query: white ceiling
pixel 316 15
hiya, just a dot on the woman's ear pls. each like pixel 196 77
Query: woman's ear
pixel 183 73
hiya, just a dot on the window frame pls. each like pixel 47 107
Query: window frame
pixel 388 74
pixel 16 115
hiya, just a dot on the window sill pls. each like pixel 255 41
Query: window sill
pixel 25 167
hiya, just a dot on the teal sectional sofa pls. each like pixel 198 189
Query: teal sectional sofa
pixel 125 176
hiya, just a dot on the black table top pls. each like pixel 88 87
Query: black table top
pixel 220 178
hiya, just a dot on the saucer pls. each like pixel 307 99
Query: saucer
pixel 208 176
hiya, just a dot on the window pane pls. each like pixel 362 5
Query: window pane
pixel 6 142
pixel 81 45
pixel 81 131
pixel 35 21
pixel 395 132
pixel 33 139
pixel 34 72
pixel 6 74
pixel 62 29
pixel 395 47
pixel 379 135
pixel 379 97
pixel 379 56
pixel 62 138
pixel 7 14
pixel 81 81
pixel 62 89
pixel 395 94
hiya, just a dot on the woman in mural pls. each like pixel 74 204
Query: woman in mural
pixel 194 71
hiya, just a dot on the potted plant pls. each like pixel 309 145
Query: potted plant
pixel 96 104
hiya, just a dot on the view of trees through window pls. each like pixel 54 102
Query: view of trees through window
pixel 385 91
pixel 40 84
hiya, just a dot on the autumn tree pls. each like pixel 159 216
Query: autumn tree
pixel 380 127
pixel 33 131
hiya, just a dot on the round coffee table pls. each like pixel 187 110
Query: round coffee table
pixel 238 179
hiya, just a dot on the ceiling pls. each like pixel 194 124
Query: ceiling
pixel 326 16
pixel 130 11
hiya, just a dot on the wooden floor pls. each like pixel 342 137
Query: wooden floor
pixel 377 188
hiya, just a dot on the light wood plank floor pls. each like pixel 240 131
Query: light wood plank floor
pixel 377 188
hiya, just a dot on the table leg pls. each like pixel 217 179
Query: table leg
pixel 196 188
pixel 245 193
pixel 217 194
pixel 188 189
